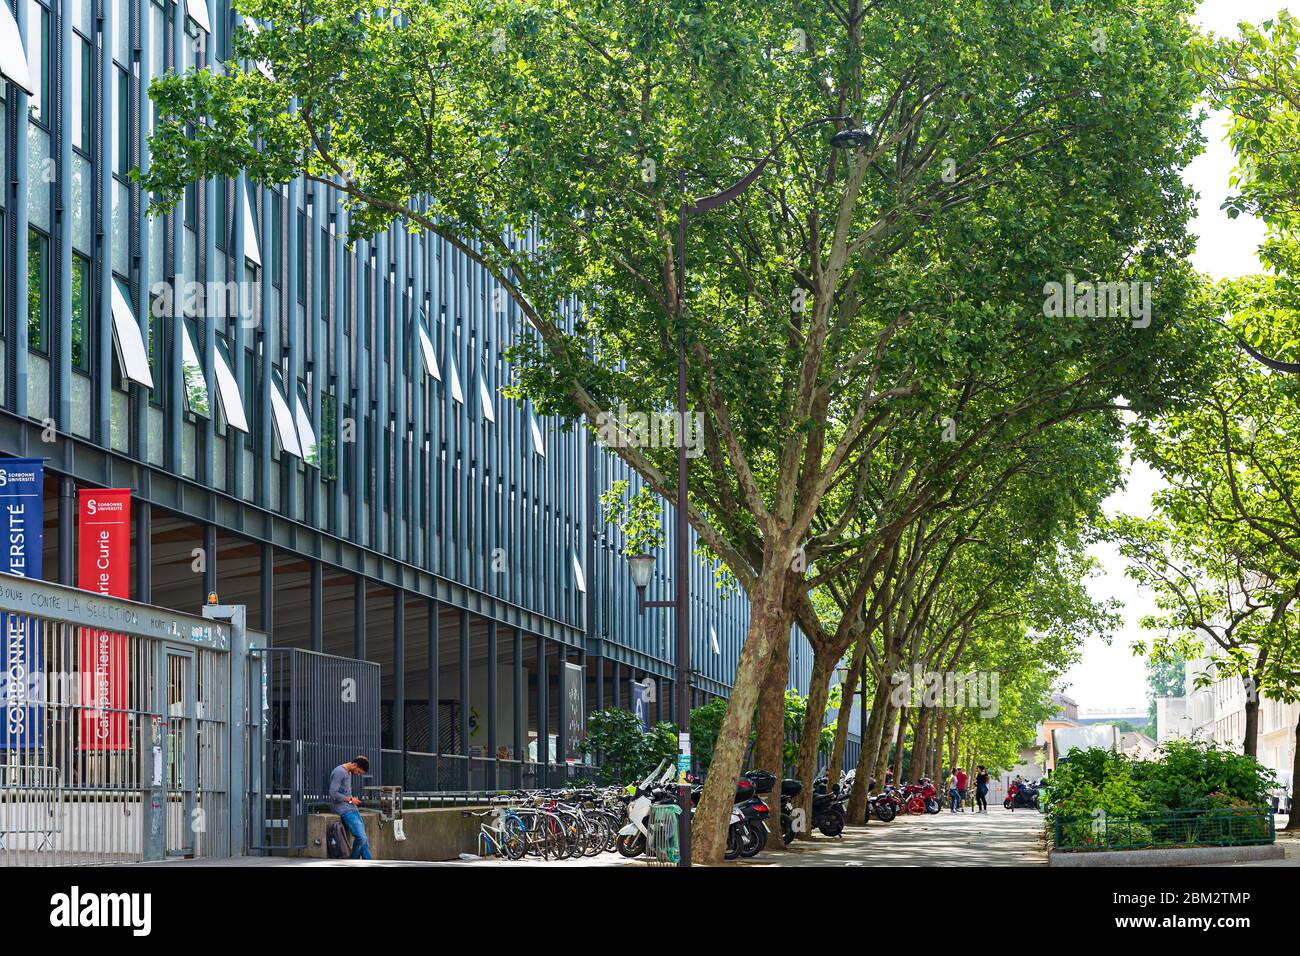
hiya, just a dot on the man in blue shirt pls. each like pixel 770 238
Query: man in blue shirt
pixel 345 805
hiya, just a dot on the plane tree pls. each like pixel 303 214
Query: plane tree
pixel 556 144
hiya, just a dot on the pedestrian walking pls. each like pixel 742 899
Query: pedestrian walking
pixel 961 789
pixel 345 804
pixel 981 789
pixel 952 791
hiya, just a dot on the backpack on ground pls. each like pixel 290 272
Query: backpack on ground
pixel 337 844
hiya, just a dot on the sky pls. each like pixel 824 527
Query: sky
pixel 1111 676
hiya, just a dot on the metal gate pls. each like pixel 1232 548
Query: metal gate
pixel 319 711
pixel 117 737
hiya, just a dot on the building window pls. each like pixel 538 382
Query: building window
pixel 38 59
pixel 329 449
pixel 38 298
pixel 157 347
pixel 121 128
pixel 80 316
pixel 223 213
pixel 81 106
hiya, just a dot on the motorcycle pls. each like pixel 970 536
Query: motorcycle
pixel 885 805
pixel 920 797
pixel 828 813
pixel 1022 795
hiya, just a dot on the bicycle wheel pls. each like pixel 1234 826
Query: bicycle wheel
pixel 574 835
pixel 514 837
pixel 597 833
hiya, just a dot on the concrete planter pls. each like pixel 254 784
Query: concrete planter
pixel 431 835
pixel 1172 856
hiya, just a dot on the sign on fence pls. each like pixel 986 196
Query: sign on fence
pixel 104 566
pixel 22 484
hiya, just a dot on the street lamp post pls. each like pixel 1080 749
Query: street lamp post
pixel 642 565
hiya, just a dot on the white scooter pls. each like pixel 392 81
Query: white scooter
pixel 634 837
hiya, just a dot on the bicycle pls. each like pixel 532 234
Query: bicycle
pixel 509 838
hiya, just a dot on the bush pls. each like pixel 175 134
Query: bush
pixel 626 751
pixel 1190 770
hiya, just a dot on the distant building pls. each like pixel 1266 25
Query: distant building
pixel 1137 746
pixel 1217 712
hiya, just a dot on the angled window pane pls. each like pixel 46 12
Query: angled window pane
pixel 198 11
pixel 13 59
pixel 539 444
pixel 285 429
pixel 232 406
pixel 252 251
pixel 456 394
pixel 306 435
pixel 127 339
pixel 196 386
pixel 426 350
pixel 485 398
pixel 578 575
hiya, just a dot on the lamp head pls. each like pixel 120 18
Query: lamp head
pixel 641 566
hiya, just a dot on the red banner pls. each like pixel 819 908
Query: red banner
pixel 104 566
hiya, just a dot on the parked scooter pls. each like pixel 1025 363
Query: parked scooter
pixel 828 814
pixel 634 836
pixel 1021 796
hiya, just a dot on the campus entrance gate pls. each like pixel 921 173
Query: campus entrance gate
pixel 126 729
pixel 319 711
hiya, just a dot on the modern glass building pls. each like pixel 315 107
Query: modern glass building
pixel 315 431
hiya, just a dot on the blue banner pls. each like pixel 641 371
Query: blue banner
pixel 641 703
pixel 22 509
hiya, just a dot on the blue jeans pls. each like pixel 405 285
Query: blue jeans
pixel 953 800
pixel 360 845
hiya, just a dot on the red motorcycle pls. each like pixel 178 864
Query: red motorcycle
pixel 920 797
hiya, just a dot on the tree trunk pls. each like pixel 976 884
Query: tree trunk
pixel 857 809
pixel 886 738
pixel 937 761
pixel 811 733
pixel 709 826
pixel 769 749
pixel 897 768
pixel 1293 822
pixel 847 691
pixel 1250 745
pixel 920 744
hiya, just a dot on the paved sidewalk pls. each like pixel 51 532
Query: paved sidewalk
pixel 997 838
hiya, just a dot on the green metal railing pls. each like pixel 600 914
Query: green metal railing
pixel 1248 826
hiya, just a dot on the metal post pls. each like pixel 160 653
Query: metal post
pixel 399 682
pixel 143 552
pixel 317 605
pixel 543 711
pixel 519 699
pixel 237 834
pixel 67 531
pixel 154 822
pixel 492 703
pixel 464 698
pixel 683 557
pixel 359 618
pixel 562 725
pixel 435 734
